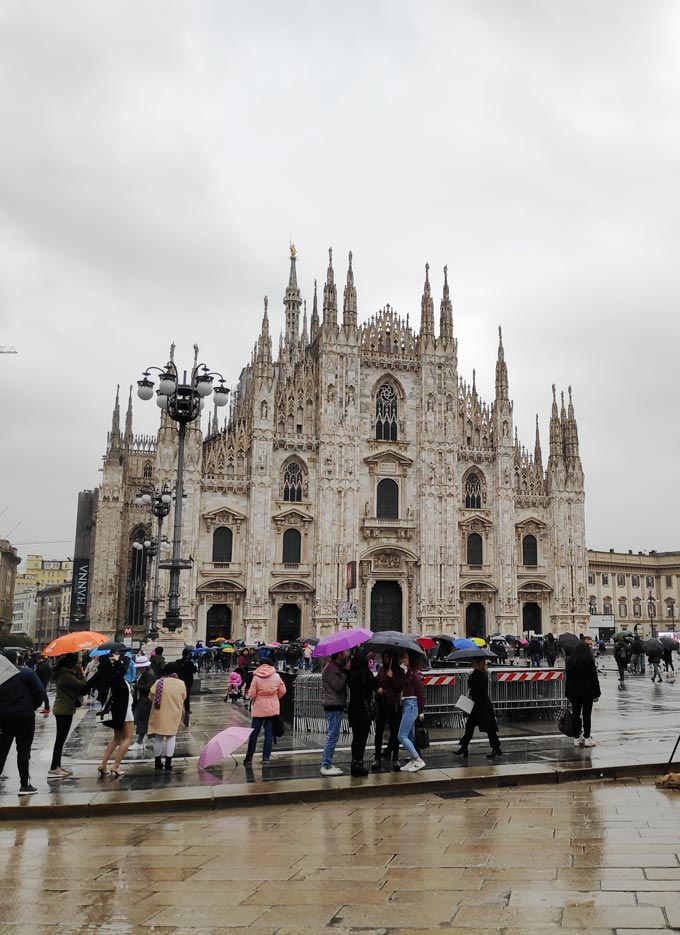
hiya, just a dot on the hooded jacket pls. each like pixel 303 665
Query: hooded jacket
pixel 21 691
pixel 265 690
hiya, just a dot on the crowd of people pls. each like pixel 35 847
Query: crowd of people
pixel 140 697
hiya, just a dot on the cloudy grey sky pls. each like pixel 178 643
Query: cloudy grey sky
pixel 158 156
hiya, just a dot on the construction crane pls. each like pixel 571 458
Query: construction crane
pixel 8 349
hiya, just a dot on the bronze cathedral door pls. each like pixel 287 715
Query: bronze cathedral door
pixel 386 606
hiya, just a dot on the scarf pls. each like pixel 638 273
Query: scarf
pixel 158 694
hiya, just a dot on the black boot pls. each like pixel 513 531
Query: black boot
pixel 358 768
pixel 168 763
pixel 158 763
pixel 376 765
pixel 494 753
pixel 461 752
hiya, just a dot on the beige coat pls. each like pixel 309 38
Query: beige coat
pixel 166 720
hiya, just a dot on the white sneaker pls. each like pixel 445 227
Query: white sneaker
pixel 58 773
pixel 578 741
pixel 589 742
pixel 413 766
pixel 331 771
pixel 136 746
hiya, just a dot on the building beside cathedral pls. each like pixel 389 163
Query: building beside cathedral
pixel 355 442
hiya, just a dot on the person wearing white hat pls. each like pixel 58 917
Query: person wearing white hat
pixel 141 706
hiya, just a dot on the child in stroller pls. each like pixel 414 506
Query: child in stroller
pixel 234 692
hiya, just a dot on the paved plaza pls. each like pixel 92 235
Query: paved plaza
pixel 591 858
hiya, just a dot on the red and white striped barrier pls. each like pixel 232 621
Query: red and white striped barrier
pixel 528 676
pixel 439 679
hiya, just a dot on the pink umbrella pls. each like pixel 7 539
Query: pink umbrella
pixel 223 744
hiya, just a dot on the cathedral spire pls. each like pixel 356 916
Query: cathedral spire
pixel 128 419
pixel 427 312
pixel 263 352
pixel 446 311
pixel 538 454
pixel 572 433
pixel 292 302
pixel 115 421
pixel 501 370
pixel 330 294
pixel 349 308
pixel 556 458
pixel 303 337
pixel 314 324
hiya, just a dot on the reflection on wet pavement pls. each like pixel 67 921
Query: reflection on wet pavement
pixel 588 857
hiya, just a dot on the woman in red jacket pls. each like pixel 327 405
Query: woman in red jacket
pixel 265 691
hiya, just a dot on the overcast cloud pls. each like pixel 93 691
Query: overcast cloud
pixel 158 156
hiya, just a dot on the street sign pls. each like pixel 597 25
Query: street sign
pixel 127 640
pixel 348 613
pixel 127 631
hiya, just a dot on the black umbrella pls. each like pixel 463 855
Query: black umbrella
pixel 393 639
pixel 111 646
pixel 652 646
pixel 568 640
pixel 445 638
pixel 460 655
pixel 668 642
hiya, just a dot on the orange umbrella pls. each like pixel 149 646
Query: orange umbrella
pixel 74 643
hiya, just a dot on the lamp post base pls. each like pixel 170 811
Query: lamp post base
pixel 172 622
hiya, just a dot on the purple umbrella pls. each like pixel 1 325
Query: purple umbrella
pixel 344 639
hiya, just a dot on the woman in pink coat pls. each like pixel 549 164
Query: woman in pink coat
pixel 265 690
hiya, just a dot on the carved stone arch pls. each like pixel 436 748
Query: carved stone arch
pixel 294 479
pixel 474 491
pixel 392 381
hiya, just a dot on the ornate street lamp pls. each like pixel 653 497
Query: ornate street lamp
pixel 651 612
pixel 159 502
pixel 183 402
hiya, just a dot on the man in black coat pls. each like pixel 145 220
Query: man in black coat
pixel 21 692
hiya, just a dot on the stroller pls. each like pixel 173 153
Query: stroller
pixel 234 688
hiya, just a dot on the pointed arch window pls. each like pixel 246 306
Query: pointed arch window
pixel 387 506
pixel 292 547
pixel 148 470
pixel 222 544
pixel 473 492
pixel 292 482
pixel 529 551
pixel 475 552
pixel 386 414
pixel 137 574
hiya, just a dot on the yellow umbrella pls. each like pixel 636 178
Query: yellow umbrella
pixel 478 641
pixel 228 649
pixel 220 639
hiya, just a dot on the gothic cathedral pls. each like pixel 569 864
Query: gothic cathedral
pixel 357 442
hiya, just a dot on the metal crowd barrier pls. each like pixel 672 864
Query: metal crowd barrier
pixel 535 692
pixel 538 693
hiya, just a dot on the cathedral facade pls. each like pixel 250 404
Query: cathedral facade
pixel 357 442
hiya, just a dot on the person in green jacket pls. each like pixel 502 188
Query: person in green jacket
pixel 70 684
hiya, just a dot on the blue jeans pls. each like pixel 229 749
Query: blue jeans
pixel 407 728
pixel 256 724
pixel 333 722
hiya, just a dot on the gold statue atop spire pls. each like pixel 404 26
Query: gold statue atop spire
pixel 293 251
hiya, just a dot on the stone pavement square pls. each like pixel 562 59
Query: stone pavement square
pixel 595 858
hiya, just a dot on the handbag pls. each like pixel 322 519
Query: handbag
pixel 566 722
pixel 279 726
pixel 465 704
pixel 422 740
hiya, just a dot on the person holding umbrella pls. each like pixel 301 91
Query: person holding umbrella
pixel 333 699
pixel 117 714
pixel 361 685
pixel 621 658
pixel 412 708
pixel 482 714
pixel 390 682
pixel 654 650
pixel 582 689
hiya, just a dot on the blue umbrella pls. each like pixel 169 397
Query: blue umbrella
pixel 464 643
